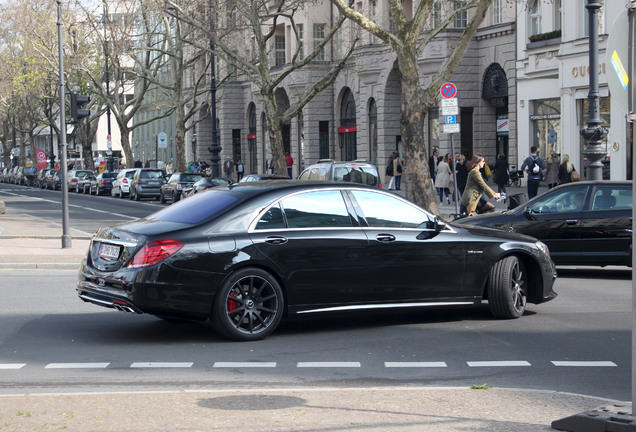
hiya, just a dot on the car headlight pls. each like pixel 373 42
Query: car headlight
pixel 543 248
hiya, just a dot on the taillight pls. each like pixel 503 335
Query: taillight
pixel 125 180
pixel 178 186
pixel 155 252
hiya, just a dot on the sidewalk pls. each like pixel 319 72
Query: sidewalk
pixel 401 409
pixel 29 242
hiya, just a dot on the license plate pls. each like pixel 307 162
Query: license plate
pixel 108 252
pixel 153 183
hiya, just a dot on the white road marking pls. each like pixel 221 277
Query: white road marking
pixel 244 365
pixel 415 364
pixel 497 363
pixel 328 364
pixel 161 365
pixel 76 365
pixel 4 366
pixel 584 363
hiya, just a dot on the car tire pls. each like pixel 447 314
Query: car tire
pixel 121 194
pixel 162 198
pixel 507 288
pixel 249 305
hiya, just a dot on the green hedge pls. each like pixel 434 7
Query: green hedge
pixel 545 36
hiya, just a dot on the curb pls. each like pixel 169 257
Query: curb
pixel 39 266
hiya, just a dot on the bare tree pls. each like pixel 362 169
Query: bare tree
pixel 245 40
pixel 408 41
pixel 130 36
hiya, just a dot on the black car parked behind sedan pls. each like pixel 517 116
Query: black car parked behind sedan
pixel 583 223
pixel 246 255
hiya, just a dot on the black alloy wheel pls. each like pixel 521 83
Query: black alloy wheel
pixel 249 306
pixel 507 288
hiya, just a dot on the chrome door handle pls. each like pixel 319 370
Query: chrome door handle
pixel 571 221
pixel 385 238
pixel 276 240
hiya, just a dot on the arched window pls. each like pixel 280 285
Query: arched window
pixel 347 131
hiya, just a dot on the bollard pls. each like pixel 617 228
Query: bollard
pixel 2 207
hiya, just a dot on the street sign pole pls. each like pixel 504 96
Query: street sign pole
pixel 450 110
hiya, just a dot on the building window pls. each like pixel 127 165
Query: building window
pixel 497 17
pixel 323 139
pixel 300 28
pixel 535 18
pixel 461 19
pixel 546 126
pixel 557 14
pixel 437 13
pixel 319 36
pixel 586 20
pixel 279 50
pixel 373 6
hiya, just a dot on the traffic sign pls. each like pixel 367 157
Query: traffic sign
pixel 449 110
pixel 450 128
pixel 162 140
pixel 618 55
pixel 448 90
pixel 445 103
pixel 450 119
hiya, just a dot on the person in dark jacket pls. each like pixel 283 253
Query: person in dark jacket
pixel 462 174
pixel 501 173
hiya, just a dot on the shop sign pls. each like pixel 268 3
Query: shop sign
pixel 545 117
pixel 503 125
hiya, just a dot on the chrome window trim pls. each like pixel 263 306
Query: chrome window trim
pixel 252 226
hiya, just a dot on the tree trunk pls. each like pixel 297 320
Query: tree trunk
pixel 418 185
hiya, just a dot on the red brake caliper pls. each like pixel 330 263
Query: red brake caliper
pixel 232 304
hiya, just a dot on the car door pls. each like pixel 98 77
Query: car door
pixel 555 219
pixel 410 258
pixel 318 248
pixel 606 230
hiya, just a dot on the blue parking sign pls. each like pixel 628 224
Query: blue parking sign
pixel 450 119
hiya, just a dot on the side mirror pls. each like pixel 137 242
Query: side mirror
pixel 528 213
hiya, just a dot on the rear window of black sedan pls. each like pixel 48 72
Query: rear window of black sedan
pixel 196 209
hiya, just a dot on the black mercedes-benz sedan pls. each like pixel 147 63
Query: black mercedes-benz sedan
pixel 583 223
pixel 248 254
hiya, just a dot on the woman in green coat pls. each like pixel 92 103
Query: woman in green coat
pixel 476 186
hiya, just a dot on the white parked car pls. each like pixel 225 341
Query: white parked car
pixel 121 185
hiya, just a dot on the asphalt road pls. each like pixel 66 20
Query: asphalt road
pixel 49 339
pixel 578 343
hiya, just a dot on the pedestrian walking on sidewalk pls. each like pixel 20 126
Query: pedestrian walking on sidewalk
pixel 501 173
pixel 535 167
pixel 552 172
pixel 443 180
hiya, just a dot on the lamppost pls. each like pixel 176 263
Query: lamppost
pixel 594 133
pixel 214 149
pixel 66 237
pixel 109 142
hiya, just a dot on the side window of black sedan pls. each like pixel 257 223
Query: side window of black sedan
pixel 272 219
pixel 384 211
pixel 319 209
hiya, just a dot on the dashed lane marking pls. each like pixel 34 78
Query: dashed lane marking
pixel 161 365
pixel 497 363
pixel 415 364
pixel 244 365
pixel 76 365
pixel 7 366
pixel 328 365
pixel 584 363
